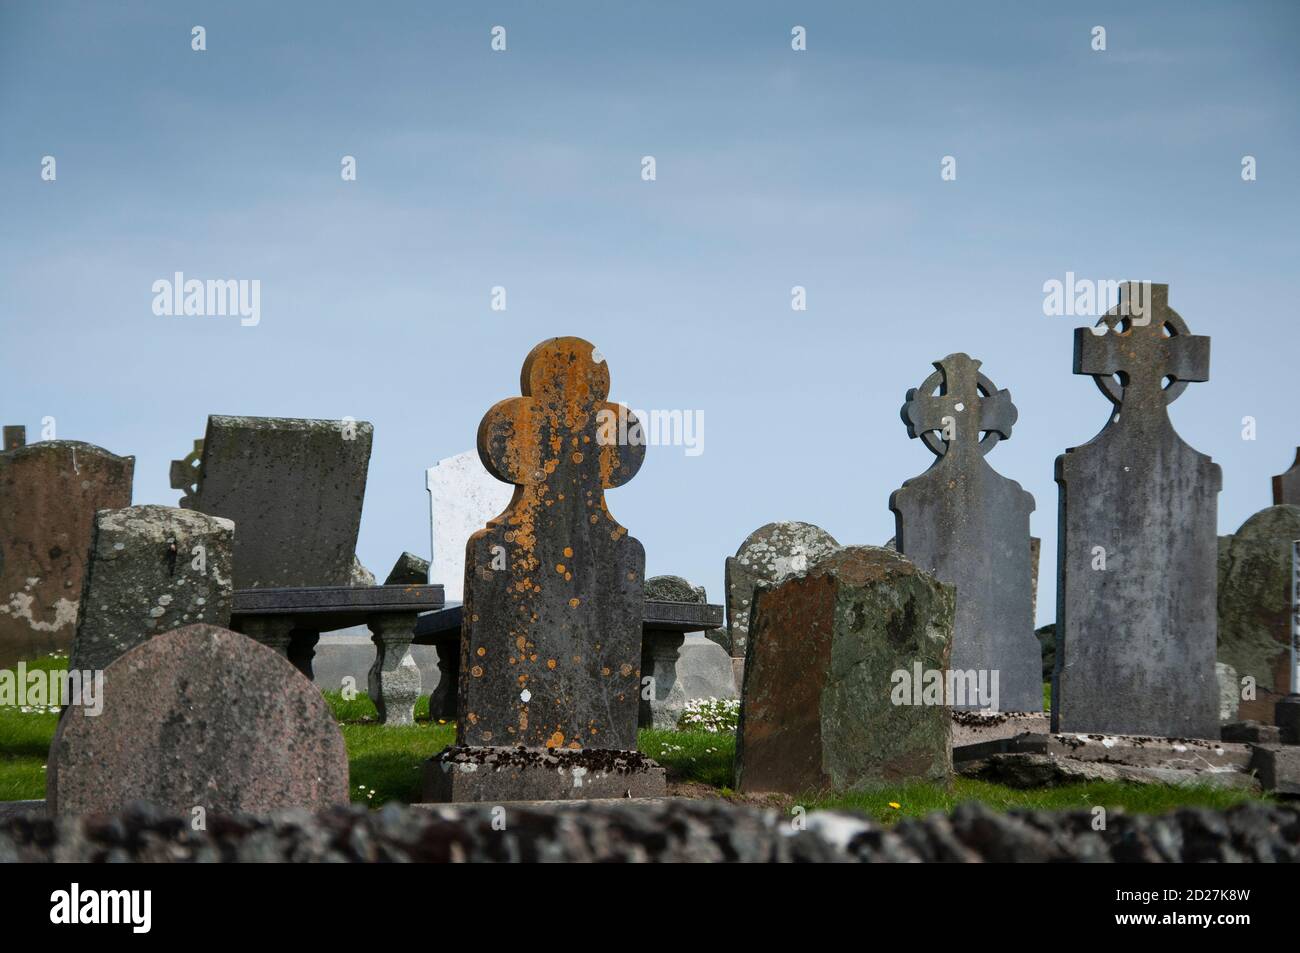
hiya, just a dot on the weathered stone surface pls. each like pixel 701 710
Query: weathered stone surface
pixel 409 569
pixel 394 681
pixel 666 831
pixel 1047 644
pixel 1252 732
pixel 147 576
pixel 200 717
pixel 704 669
pixel 1229 692
pixel 663 697
pixel 463 497
pixel 49 493
pixel 1278 767
pixel 1135 642
pixel 361 577
pixel 295 490
pixel 818 709
pixel 1254 605
pixel 551 638
pixel 467 773
pixel 768 555
pixel 1027 771
pixel 969 526
pixel 1286 486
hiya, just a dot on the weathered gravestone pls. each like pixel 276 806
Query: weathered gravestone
pixel 49 493
pixel 1135 634
pixel 1255 616
pixel 152 569
pixel 409 570
pixel 1286 486
pixel 200 717
pixel 551 633
pixel 835 654
pixel 663 698
pixel 463 496
pixel 294 488
pixel 968 525
pixel 768 555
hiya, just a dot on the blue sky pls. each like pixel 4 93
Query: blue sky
pixel 522 169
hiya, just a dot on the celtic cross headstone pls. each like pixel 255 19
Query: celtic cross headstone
pixel 1138 547
pixel 968 525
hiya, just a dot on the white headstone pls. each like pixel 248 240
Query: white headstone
pixel 463 496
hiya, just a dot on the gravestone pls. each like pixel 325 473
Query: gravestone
pixel 294 488
pixel 463 496
pixel 769 554
pixel 662 697
pixel 409 570
pixel 1286 486
pixel 1135 638
pixel 1254 606
pixel 551 632
pixel 831 651
pixel 152 569
pixel 49 493
pixel 15 436
pixel 200 717
pixel 968 525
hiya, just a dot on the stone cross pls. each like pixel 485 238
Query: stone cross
pixel 551 639
pixel 1138 546
pixel 1286 486
pixel 969 526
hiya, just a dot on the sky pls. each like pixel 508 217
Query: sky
pixel 523 169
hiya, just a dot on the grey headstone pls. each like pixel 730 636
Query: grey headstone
pixel 152 569
pixel 1135 642
pixel 969 526
pixel 49 494
pixel 1254 605
pixel 821 707
pixel 295 490
pixel 200 717
pixel 463 496
pixel 409 569
pixel 768 555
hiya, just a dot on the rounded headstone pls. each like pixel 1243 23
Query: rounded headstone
pixel 200 717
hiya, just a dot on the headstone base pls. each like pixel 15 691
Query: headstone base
pixel 482 773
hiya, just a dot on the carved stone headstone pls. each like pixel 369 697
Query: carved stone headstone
pixel 844 682
pixel 1135 634
pixel 293 487
pixel 968 525
pixel 152 569
pixel 1254 609
pixel 1286 486
pixel 49 493
pixel 200 717
pixel 768 555
pixel 463 496
pixel 551 636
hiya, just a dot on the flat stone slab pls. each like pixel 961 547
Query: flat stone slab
pixel 971 727
pixel 498 774
pixel 1278 767
pixel 1030 770
pixel 676 616
pixel 10 809
pixel 200 717
pixel 336 607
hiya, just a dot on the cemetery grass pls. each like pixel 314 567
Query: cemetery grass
pixel 25 742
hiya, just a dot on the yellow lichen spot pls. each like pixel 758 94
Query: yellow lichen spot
pixel 523 679
pixel 533 657
pixel 574 602
pixel 594 518
pixel 559 567
pixel 605 670
pixel 568 551
pixel 487 736
pixel 568 577
pixel 474 617
pixel 481 651
pixel 625 669
pixel 550 663
pixel 577 658
pixel 631 577
pixel 556 740
pixel 473 718
pixel 577 457
pixel 477 671
pixel 574 743
pixel 519 643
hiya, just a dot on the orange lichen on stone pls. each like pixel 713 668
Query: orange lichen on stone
pixel 556 740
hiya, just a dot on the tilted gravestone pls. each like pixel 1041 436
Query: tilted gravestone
pixel 152 569
pixel 1254 610
pixel 200 718
pixel 1286 486
pixel 840 682
pixel 968 525
pixel 551 632
pixel 463 496
pixel 49 493
pixel 294 487
pixel 769 554
pixel 1135 635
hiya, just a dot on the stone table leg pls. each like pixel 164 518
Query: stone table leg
pixel 273 631
pixel 666 700
pixel 442 703
pixel 302 651
pixel 394 681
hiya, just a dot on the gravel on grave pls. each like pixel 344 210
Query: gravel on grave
pixel 662 830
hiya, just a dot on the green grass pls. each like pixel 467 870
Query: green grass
pixel 386 765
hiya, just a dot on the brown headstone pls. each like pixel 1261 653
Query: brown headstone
pixel 200 717
pixel 49 494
